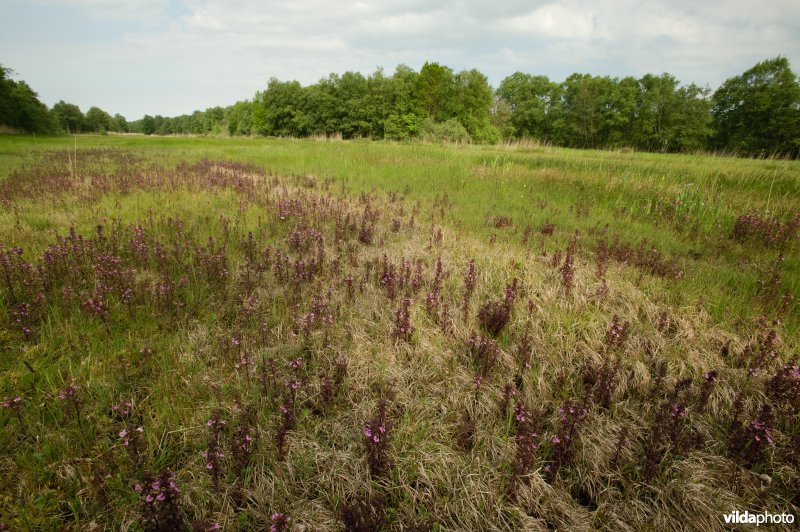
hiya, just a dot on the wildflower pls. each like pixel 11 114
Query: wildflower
pixel 678 411
pixel 484 353
pixel 69 395
pixel 470 280
pixel 784 388
pixel 213 454
pixel 244 440
pixel 280 522
pixel 287 418
pixel 12 403
pixel 376 438
pixel 403 330
pixel 709 378
pixel 526 439
pixel 572 414
pixel 161 509
pixel 493 316
pixel 123 409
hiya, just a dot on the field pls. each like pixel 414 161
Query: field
pixel 322 335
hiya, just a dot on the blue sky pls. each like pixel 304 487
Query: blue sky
pixel 172 57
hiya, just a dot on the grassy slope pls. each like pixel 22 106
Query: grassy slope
pixel 51 461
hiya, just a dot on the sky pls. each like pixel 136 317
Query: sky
pixel 137 57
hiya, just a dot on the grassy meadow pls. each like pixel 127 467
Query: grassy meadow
pixel 201 333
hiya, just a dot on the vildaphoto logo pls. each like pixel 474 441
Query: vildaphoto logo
pixel 746 518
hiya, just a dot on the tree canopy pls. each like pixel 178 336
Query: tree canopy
pixel 759 110
pixel 20 108
pixel 755 113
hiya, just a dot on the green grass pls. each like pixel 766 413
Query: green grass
pixel 58 472
pixel 574 189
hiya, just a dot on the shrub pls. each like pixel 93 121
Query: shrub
pixel 448 131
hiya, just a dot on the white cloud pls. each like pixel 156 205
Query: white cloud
pixel 561 21
pixel 130 10
pixel 213 52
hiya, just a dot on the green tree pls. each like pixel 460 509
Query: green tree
pixel 284 106
pixel 500 116
pixel 533 104
pixel 436 92
pixel 69 117
pixel 378 103
pixel 475 96
pixel 404 117
pixel 403 92
pixel 323 100
pixel 20 107
pixel 258 116
pixel 214 120
pixel 759 110
pixel 691 125
pixel 669 117
pixel 148 125
pixel 119 124
pixel 239 118
pixel 583 106
pixel 97 120
pixel 353 100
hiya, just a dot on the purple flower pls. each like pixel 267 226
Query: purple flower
pixel 69 393
pixel 11 403
pixel 280 522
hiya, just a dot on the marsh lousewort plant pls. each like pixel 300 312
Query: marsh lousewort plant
pixel 214 455
pixel 13 404
pixel 70 396
pixel 571 415
pixel 160 501
pixel 377 437
pixel 527 443
pixel 403 330
pixel 494 315
pixel 470 280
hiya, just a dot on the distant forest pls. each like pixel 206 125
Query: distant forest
pixel 755 113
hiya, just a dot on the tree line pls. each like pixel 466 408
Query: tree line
pixel 757 112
